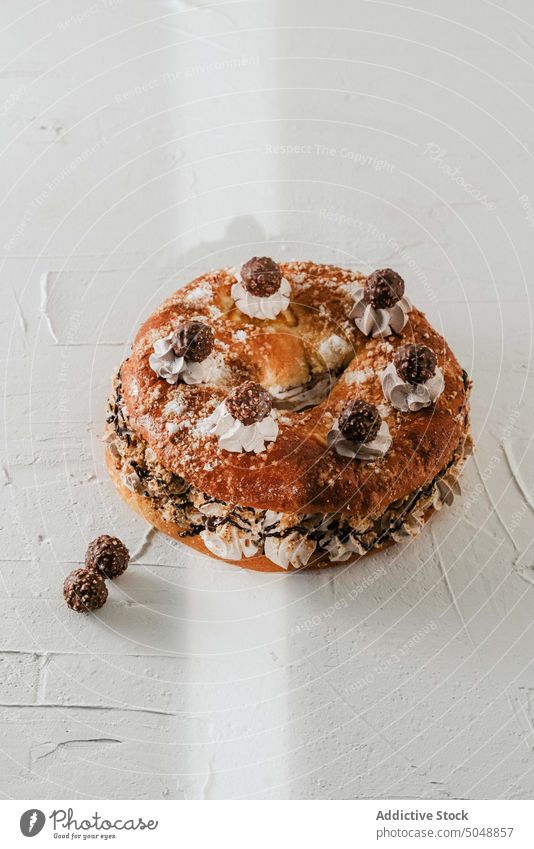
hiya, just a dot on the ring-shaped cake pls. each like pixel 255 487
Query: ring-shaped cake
pixel 288 416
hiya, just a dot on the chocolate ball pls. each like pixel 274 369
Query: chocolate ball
pixel 359 421
pixel 261 276
pixel 193 340
pixel 249 403
pixel 415 363
pixel 85 590
pixel 383 288
pixel 107 555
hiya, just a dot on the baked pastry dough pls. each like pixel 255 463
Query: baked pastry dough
pixel 293 499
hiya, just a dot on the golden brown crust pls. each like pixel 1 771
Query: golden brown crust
pixel 297 473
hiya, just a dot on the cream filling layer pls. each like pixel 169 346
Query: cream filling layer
pixel 306 395
pixel 244 532
pixel 228 543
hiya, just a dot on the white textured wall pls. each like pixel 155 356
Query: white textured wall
pixel 141 142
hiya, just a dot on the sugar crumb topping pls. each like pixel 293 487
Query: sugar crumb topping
pixel 175 406
pixel 359 376
pixel 202 292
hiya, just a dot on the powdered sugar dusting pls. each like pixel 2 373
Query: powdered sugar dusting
pixel 202 292
pixel 384 410
pixel 359 376
pixel 333 350
pixel 175 406
pixel 219 371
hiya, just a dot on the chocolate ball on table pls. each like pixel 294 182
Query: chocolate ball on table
pixel 383 288
pixel 359 422
pixel 261 276
pixel 415 363
pixel 107 555
pixel 249 403
pixel 85 590
pixel 193 340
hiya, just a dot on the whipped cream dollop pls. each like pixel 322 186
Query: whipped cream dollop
pixel 228 542
pixel 360 450
pixel 410 528
pixel 446 490
pixel 260 307
pixel 410 397
pixel 292 550
pixel 443 494
pixel 132 480
pixel 379 322
pixel 172 368
pixel 339 551
pixel 237 437
pixel 111 440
